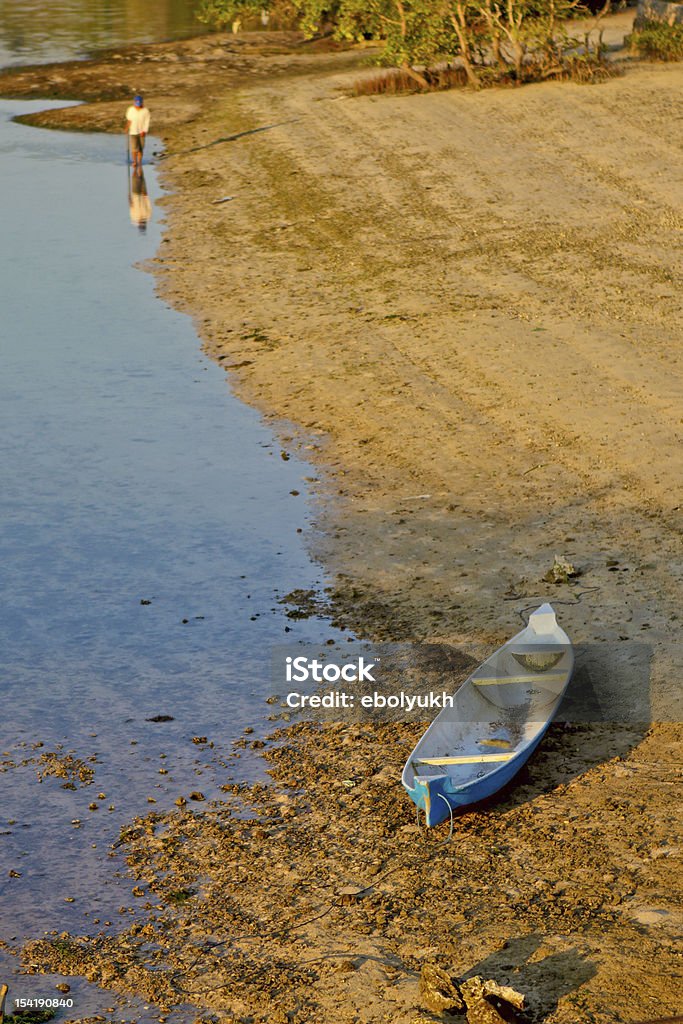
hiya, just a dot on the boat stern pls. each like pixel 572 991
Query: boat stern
pixel 428 794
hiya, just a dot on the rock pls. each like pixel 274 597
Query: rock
pixel 492 990
pixel 490 1003
pixel 561 572
pixel 437 991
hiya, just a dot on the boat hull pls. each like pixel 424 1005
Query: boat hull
pixel 438 797
pixel 500 715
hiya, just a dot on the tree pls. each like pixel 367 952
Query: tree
pixel 517 38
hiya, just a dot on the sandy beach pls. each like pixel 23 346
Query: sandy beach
pixel 465 308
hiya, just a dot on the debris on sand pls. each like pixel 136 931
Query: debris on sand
pixel 561 571
pixel 488 1002
pixel 484 1002
pixel 438 992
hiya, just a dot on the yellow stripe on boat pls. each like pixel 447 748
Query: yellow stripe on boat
pixel 465 759
pixel 537 677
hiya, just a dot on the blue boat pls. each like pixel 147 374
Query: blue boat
pixel 500 715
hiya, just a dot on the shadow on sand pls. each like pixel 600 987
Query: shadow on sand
pixel 543 981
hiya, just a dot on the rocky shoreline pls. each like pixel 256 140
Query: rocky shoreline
pixel 319 897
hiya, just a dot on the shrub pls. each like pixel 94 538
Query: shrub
pixel 583 69
pixel 655 40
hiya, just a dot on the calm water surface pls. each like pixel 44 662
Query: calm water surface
pixel 33 31
pixel 129 475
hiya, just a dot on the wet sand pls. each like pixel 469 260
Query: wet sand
pixel 467 308
pixel 328 901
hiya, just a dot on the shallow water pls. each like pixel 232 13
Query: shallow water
pixel 32 31
pixel 130 474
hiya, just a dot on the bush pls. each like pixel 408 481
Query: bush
pixel 398 81
pixel 655 40
pixel 582 69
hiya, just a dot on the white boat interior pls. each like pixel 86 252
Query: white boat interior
pixel 500 709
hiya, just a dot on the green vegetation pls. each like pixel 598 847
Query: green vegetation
pixel 179 896
pixel 509 41
pixel 656 40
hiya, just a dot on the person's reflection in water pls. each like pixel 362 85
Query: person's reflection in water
pixel 139 202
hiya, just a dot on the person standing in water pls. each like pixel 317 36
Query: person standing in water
pixel 137 126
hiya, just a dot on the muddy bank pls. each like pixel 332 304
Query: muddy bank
pixel 467 305
pixel 319 898
pixel 181 78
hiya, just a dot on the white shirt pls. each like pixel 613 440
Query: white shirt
pixel 139 120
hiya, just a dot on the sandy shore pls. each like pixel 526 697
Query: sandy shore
pixel 467 307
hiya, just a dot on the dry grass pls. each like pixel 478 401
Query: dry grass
pixel 582 69
pixel 396 80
